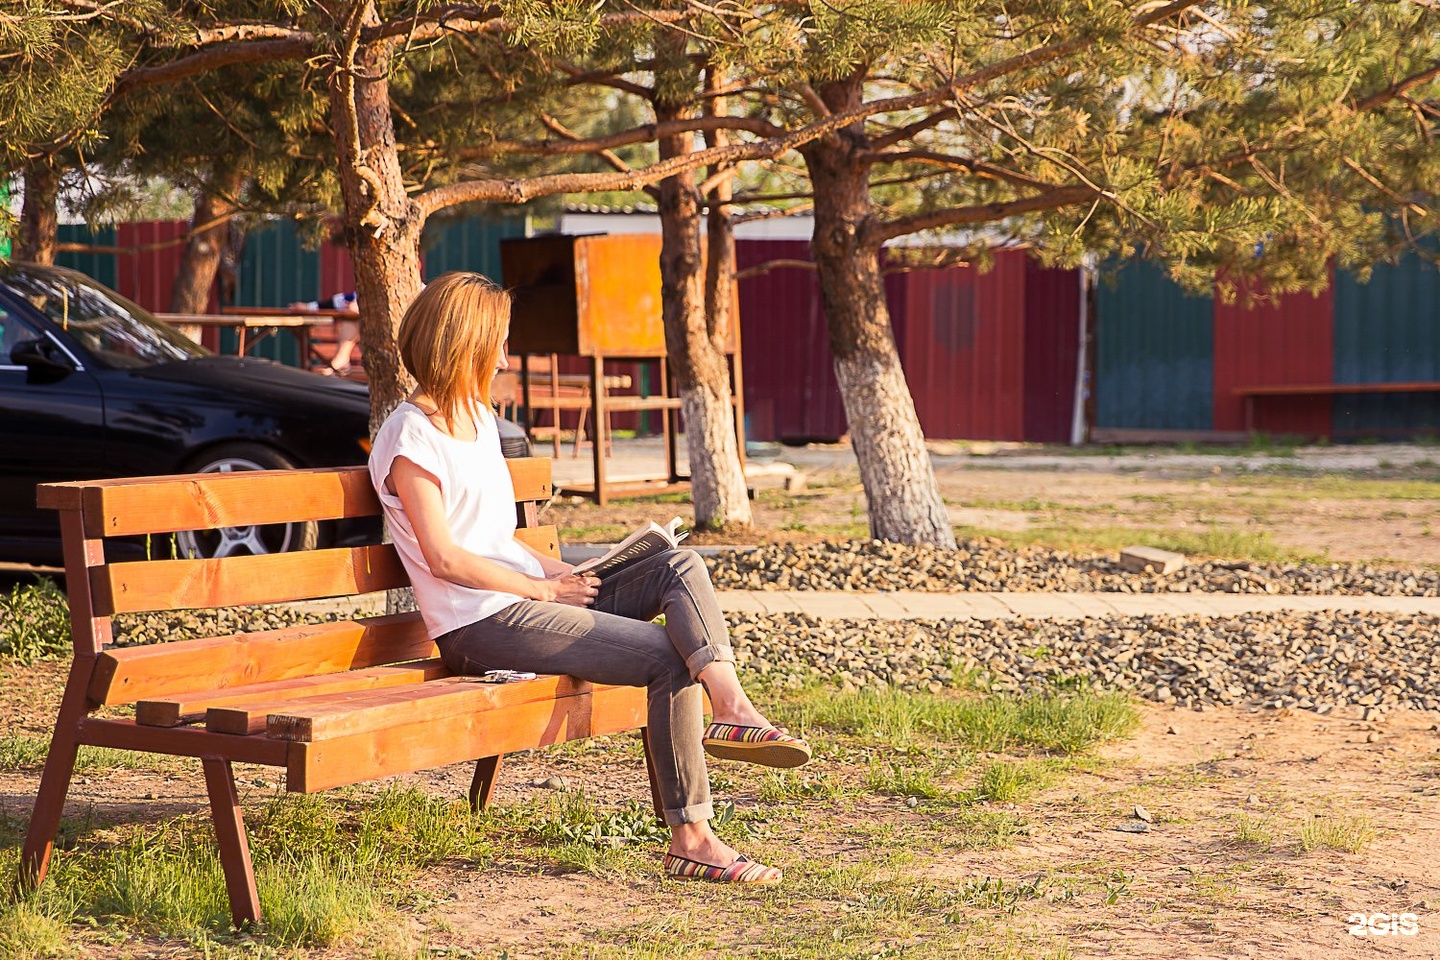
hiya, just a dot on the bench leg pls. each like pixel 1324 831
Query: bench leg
pixel 482 785
pixel 55 780
pixel 234 847
pixel 49 803
pixel 654 780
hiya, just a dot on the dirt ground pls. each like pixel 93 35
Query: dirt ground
pixel 1220 872
pixel 1189 887
pixel 1371 503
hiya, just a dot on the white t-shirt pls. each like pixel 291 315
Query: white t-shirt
pixel 479 505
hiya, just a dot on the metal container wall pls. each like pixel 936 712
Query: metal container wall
pixel 337 270
pixel 469 244
pixel 1388 330
pixel 1286 342
pixel 276 269
pixel 790 388
pixel 147 276
pixel 961 335
pixel 97 266
pixel 1052 351
pixel 1154 353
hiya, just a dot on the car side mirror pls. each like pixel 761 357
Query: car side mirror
pixel 40 358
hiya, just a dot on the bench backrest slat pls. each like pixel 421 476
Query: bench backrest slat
pixel 150 672
pixel 270 578
pixel 233 581
pixel 159 505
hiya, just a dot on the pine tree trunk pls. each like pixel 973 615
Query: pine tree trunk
pixel 901 493
pixel 38 220
pixel 382 223
pixel 201 261
pixel 696 352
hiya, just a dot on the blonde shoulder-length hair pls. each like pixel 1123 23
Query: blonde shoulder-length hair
pixel 451 338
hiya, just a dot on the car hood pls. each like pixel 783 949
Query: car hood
pixel 229 379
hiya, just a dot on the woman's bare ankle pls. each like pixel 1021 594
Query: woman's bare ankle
pixel 741 716
pixel 698 842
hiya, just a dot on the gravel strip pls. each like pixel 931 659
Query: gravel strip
pixel 137 628
pixel 990 566
pixel 1311 661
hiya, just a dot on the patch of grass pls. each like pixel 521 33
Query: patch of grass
pixel 676 497
pixel 1007 781
pixel 594 533
pixel 1340 486
pixel 25 751
pixel 789 786
pixel 328 869
pixel 1064 723
pixel 982 828
pixel 903 780
pixel 1214 887
pixel 28 930
pixel 168 881
pixel 35 622
pixel 993 893
pixel 1211 541
pixel 1348 833
pixel 314 900
pixel 1258 831
pixel 576 820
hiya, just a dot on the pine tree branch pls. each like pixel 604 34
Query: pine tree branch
pixel 983 213
pixel 605 78
pixel 1398 89
pixel 609 156
pixel 641 134
pixel 957 163
pixel 510 190
pixel 760 269
pixel 761 215
pixel 211 58
pixel 919 126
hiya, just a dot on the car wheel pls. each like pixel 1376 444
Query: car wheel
pixel 252 540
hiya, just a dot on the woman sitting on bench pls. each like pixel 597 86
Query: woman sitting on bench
pixel 493 603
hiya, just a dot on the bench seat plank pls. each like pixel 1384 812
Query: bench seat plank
pixel 438 700
pixel 191 707
pixel 155 671
pixel 251 715
pixel 322 764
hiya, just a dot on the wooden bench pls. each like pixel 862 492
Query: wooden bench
pixel 1252 394
pixel 330 703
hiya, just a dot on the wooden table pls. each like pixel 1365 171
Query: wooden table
pixel 252 327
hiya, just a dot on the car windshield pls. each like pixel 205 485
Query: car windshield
pixel 116 332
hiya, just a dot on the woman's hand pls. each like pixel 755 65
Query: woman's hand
pixel 576 589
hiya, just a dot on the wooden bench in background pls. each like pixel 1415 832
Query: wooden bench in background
pixel 1252 395
pixel 331 703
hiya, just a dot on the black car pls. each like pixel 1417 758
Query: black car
pixel 92 386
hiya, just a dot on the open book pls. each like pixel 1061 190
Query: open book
pixel 649 539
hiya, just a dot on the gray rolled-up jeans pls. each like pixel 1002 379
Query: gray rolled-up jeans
pixel 614 642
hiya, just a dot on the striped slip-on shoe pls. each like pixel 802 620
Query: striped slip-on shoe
pixel 743 870
pixel 763 745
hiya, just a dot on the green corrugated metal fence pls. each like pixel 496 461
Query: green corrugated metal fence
pixel 1154 353
pixel 469 244
pixel 1388 330
pixel 97 266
